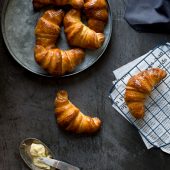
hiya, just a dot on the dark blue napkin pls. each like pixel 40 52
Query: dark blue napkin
pixel 149 15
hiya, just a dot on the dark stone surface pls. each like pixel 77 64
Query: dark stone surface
pixel 26 108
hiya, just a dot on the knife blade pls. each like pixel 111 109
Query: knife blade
pixel 58 164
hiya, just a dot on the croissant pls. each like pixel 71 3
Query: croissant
pixel 80 35
pixel 58 62
pixel 71 118
pixel 97 12
pixel 53 60
pixel 139 87
pixel 74 3
pixel 48 28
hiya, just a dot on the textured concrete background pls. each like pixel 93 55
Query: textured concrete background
pixel 26 108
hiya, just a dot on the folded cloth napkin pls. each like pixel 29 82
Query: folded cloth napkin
pixel 148 15
pixel 155 127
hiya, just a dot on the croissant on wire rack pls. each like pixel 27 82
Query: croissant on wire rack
pixel 71 118
pixel 74 3
pixel 139 87
pixel 97 13
pixel 55 61
pixel 80 35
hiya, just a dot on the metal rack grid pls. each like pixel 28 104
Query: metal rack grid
pixel 155 126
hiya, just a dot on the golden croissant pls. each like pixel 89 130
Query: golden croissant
pixel 58 62
pixel 48 28
pixel 74 3
pixel 80 35
pixel 55 61
pixel 97 13
pixel 139 87
pixel 71 118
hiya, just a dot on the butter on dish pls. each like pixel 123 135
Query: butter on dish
pixel 37 151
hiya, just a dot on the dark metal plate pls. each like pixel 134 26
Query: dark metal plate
pixel 18 22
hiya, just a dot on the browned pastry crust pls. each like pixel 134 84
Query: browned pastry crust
pixel 71 118
pixel 80 35
pixel 97 12
pixel 139 87
pixel 74 3
pixel 55 61
pixel 96 25
pixel 48 28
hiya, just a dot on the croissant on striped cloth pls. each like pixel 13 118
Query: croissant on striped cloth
pixel 71 118
pixel 139 87
pixel 54 60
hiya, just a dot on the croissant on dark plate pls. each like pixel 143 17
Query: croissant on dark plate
pixel 97 13
pixel 48 28
pixel 58 62
pixel 139 87
pixel 71 118
pixel 74 3
pixel 55 61
pixel 78 34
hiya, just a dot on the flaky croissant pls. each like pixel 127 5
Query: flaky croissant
pixel 55 61
pixel 71 118
pixel 48 28
pixel 139 87
pixel 58 62
pixel 74 3
pixel 80 35
pixel 97 13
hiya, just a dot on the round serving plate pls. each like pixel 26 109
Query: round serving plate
pixel 18 22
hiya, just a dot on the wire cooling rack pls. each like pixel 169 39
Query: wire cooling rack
pixel 155 126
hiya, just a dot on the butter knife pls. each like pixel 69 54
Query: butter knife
pixel 58 164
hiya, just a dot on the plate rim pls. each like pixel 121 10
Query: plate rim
pixel 5 5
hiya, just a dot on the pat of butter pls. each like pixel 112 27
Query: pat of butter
pixel 37 151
